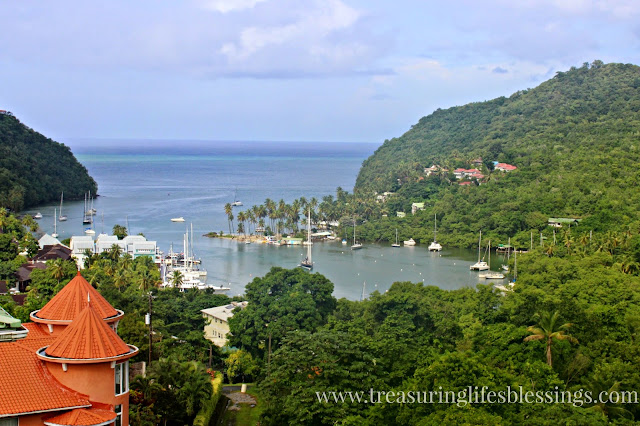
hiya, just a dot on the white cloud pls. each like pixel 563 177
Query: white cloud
pixel 226 6
pixel 312 27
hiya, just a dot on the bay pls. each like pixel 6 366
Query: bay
pixel 143 184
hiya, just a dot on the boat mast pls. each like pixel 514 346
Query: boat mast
pixel 55 221
pixel 479 242
pixel 354 232
pixel 309 237
pixel 435 226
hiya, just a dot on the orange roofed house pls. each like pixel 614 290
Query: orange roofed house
pixel 69 366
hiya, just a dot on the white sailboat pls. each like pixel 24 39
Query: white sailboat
pixel 435 246
pixel 61 217
pixel 236 202
pixel 87 218
pixel 396 244
pixel 480 265
pixel 37 216
pixel 55 224
pixel 490 275
pixel 355 246
pixel 307 263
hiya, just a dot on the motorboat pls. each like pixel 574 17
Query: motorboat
pixel 37 215
pixel 410 242
pixel 177 219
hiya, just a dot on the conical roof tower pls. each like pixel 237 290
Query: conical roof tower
pixel 65 306
pixel 88 338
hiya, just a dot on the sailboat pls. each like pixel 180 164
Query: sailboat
pixel 490 275
pixel 435 246
pixel 236 202
pixel 505 267
pixel 509 287
pixel 480 265
pixel 55 224
pixel 307 263
pixel 61 217
pixel 396 243
pixel 37 216
pixel 87 219
pixel 355 246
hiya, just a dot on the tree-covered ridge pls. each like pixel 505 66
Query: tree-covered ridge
pixel 35 169
pixel 574 140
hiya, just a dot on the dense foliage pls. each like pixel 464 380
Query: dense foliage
pixel 574 140
pixel 417 338
pixel 35 170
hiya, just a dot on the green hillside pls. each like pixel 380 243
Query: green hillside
pixel 35 169
pixel 575 141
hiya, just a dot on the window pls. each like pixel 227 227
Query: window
pixel 11 421
pixel 118 421
pixel 122 378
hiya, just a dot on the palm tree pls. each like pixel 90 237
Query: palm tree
pixel 57 270
pixel 609 410
pixel 114 252
pixel 120 278
pixel 177 279
pixel 229 211
pixel 547 329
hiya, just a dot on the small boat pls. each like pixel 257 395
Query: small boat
pixel 409 242
pixel 480 265
pixel 61 217
pixel 307 263
pixel 344 242
pixel 55 224
pixel 435 246
pixel 89 231
pixel 177 219
pixel 236 202
pixel 490 275
pixel 396 243
pixel 37 216
pixel 355 246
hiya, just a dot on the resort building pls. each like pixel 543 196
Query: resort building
pixel 68 366
pixel 216 327
pixel 134 245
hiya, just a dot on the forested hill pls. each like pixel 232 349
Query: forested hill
pixel 35 169
pixel 575 140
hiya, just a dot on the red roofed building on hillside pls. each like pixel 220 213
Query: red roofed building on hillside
pixel 68 366
pixel 504 167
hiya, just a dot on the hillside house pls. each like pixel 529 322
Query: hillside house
pixel 216 327
pixel 416 206
pixel 504 167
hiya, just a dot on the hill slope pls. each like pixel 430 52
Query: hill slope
pixel 34 169
pixel 575 140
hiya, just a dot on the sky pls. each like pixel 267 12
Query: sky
pixel 287 70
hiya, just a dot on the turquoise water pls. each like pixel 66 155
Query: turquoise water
pixel 146 183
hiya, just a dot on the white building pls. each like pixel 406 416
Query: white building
pixel 216 327
pixel 134 245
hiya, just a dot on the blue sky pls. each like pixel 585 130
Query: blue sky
pixel 287 70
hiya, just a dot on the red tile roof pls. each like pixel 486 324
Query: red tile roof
pixel 88 337
pixel 82 417
pixel 72 299
pixel 26 385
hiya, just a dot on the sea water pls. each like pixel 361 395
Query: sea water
pixel 143 184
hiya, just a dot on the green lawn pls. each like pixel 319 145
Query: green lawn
pixel 246 415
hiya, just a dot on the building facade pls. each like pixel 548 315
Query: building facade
pixel 68 366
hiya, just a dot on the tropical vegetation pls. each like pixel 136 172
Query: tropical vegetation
pixel 36 170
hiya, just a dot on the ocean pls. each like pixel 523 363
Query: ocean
pixel 143 184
